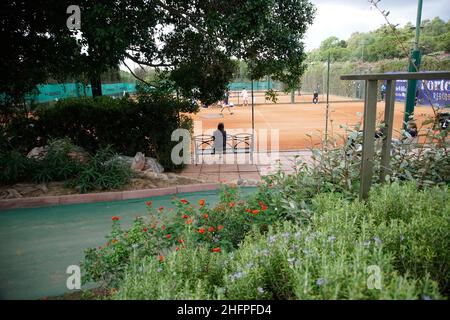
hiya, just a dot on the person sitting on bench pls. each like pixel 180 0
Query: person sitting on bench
pixel 220 139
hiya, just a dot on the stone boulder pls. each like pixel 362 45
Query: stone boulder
pixel 37 153
pixel 138 162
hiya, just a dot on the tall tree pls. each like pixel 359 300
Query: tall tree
pixel 192 41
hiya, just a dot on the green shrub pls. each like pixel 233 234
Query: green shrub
pixel 401 231
pixel 291 263
pixel 57 164
pixel 126 125
pixel 14 167
pixel 104 171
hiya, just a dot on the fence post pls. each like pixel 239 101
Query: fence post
pixel 370 111
pixel 388 127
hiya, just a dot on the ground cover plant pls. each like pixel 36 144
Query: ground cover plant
pixel 61 161
pixel 400 230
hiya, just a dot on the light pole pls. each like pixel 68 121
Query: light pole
pixel 328 98
pixel 414 64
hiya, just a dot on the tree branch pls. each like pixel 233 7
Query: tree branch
pixel 129 56
pixel 134 75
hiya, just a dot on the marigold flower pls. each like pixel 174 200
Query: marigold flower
pixel 169 236
pixel 148 203
pixel 115 218
pixel 205 216
pixel 201 230
pixel 211 229
pixel 184 201
pixel 216 249
pixel 161 258
pixel 256 211
pixel 220 227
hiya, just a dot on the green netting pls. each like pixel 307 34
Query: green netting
pixel 257 85
pixel 38 244
pixel 53 92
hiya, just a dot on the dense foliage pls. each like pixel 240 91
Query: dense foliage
pixel 400 230
pixel 193 39
pixel 127 125
pixel 382 43
pixel 61 162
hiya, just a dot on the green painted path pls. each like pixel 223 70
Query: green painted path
pixel 38 244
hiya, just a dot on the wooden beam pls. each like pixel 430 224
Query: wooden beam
pixel 370 111
pixel 388 127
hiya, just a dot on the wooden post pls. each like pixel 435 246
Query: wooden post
pixel 388 127
pixel 370 111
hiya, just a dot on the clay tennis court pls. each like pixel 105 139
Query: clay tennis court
pixel 295 121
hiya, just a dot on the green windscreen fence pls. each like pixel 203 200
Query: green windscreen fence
pixel 54 92
pixel 258 85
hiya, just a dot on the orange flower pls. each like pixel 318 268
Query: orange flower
pixel 184 201
pixel 148 203
pixel 211 229
pixel 169 236
pixel 161 258
pixel 189 221
pixel 256 211
pixel 219 228
pixel 201 202
pixel 205 216
pixel 201 230
pixel 115 218
pixel 216 249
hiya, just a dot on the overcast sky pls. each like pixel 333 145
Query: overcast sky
pixel 341 18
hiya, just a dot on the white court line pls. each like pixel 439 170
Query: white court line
pixel 264 118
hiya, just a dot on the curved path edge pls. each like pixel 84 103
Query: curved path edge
pixel 34 202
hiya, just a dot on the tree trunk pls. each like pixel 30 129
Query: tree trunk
pixel 96 84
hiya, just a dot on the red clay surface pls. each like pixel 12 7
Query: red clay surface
pixel 295 121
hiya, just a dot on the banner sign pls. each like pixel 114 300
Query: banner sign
pixel 429 92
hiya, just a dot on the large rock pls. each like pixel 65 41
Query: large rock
pixel 138 162
pixel 154 165
pixel 37 153
pixel 151 164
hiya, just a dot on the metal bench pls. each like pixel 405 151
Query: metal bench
pixel 235 144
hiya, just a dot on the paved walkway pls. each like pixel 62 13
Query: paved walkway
pixel 241 168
